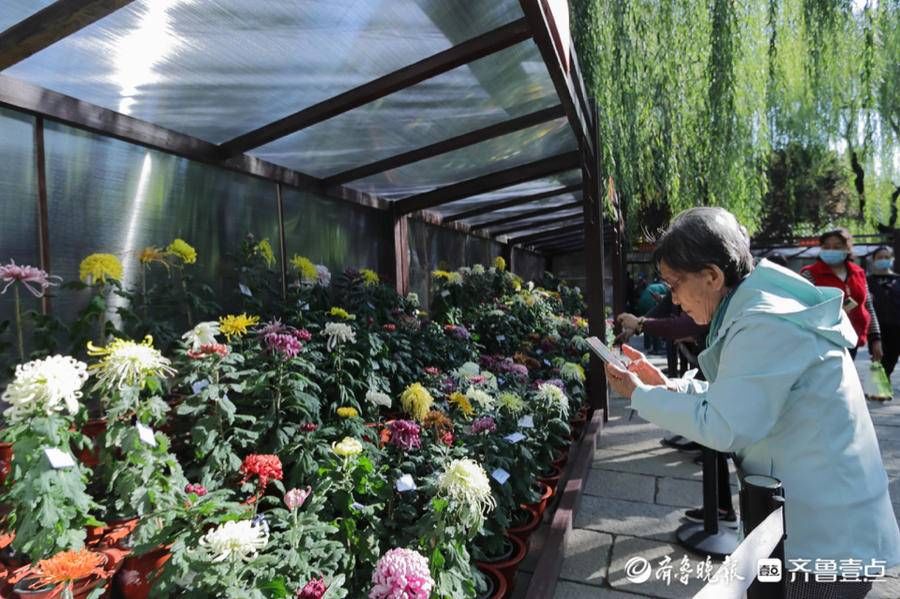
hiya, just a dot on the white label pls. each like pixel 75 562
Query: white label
pixel 500 475
pixel 406 483
pixel 514 437
pixel 146 434
pixel 526 421
pixel 245 290
pixel 304 306
pixel 445 293
pixel 199 386
pixel 501 338
pixel 58 458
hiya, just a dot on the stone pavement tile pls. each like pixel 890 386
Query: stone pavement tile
pixel 630 549
pixel 586 557
pixel 628 517
pixel 678 492
pixel 658 462
pixel 571 590
pixel 620 485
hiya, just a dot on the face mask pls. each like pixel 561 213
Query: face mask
pixel 833 256
pixel 884 264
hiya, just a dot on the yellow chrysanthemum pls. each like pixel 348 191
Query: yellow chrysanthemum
pixel 347 412
pixel 183 250
pixel 305 268
pixel 369 276
pixel 99 268
pixel 152 254
pixel 341 313
pixel 236 325
pixel 125 363
pixel 264 250
pixel 416 401
pixel 462 404
pixel 500 263
pixel 453 278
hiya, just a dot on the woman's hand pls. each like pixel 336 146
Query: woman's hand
pixel 646 372
pixel 621 381
pixel 876 351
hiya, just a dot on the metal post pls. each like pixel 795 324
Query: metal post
pixel 760 496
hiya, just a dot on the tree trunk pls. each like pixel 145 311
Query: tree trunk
pixel 859 181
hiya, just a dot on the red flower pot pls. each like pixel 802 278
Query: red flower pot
pixel 5 461
pixel 562 456
pixel 523 531
pixel 507 566
pixel 92 429
pixel 135 578
pixel 500 588
pixel 546 494
pixel 551 479
pixel 112 534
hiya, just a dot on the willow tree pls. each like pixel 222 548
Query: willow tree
pixel 698 97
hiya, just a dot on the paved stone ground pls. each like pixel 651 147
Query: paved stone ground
pixel 636 494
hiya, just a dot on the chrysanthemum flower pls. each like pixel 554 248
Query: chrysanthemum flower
pixel 338 333
pixel 500 263
pixel 263 249
pixel 265 467
pixel 465 485
pixel 202 334
pixel 347 412
pixel 341 313
pixel 295 498
pixel 151 254
pixel 323 275
pixel 401 574
pixel 416 401
pixel 378 398
pixel 369 276
pixel 236 325
pixel 571 372
pixel 126 363
pixel 462 403
pixel 305 268
pixel 482 398
pixel 209 349
pixel 99 268
pixel 347 447
pixel 66 567
pixel 235 540
pixel 405 434
pixel 485 424
pixel 553 399
pixel 511 402
pixel 35 280
pixel 46 386
pixel 314 589
pixel 183 250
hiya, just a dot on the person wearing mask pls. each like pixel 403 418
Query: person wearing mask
pixel 884 284
pixel 835 268
pixel 652 295
pixel 801 420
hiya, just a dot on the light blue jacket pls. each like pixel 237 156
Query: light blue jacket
pixel 784 395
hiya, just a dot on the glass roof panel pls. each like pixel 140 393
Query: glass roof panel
pixel 496 88
pixel 565 179
pixel 564 198
pixel 576 219
pixel 567 213
pixel 218 68
pixel 514 149
pixel 13 11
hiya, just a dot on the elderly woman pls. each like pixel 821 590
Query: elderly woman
pixel 782 394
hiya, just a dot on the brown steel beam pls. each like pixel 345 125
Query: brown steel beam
pixel 490 182
pixel 447 145
pixel 48 26
pixel 532 225
pixel 526 215
pixel 544 29
pixel 38 101
pixel 544 245
pixel 531 237
pixel 517 201
pixel 464 53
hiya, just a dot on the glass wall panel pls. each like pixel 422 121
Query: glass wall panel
pixel 219 68
pixel 496 88
pixel 13 11
pixel 482 251
pixel 528 265
pixel 109 196
pixel 18 216
pixel 335 233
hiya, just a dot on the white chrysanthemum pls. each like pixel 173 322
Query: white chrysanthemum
pixel 571 372
pixel 553 398
pixel 45 386
pixel 323 275
pixel 378 398
pixel 511 402
pixel 412 299
pixel 202 334
pixel 128 363
pixel 468 369
pixel 455 278
pixel 480 397
pixel 234 540
pixel 465 484
pixel 478 269
pixel 338 332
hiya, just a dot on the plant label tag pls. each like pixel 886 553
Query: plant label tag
pixel 304 306
pixel 501 338
pixel 406 483
pixel 445 293
pixel 145 433
pixel 245 290
pixel 526 421
pixel 500 475
pixel 58 459
pixel 199 386
pixel 514 437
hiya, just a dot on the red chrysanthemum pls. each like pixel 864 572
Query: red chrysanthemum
pixel 266 467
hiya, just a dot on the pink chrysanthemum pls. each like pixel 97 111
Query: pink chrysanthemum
pixel 485 424
pixel 401 574
pixel 35 280
pixel 314 589
pixel 405 434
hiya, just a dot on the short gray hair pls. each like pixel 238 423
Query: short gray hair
pixel 702 237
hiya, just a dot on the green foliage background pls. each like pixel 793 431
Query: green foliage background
pixel 698 97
